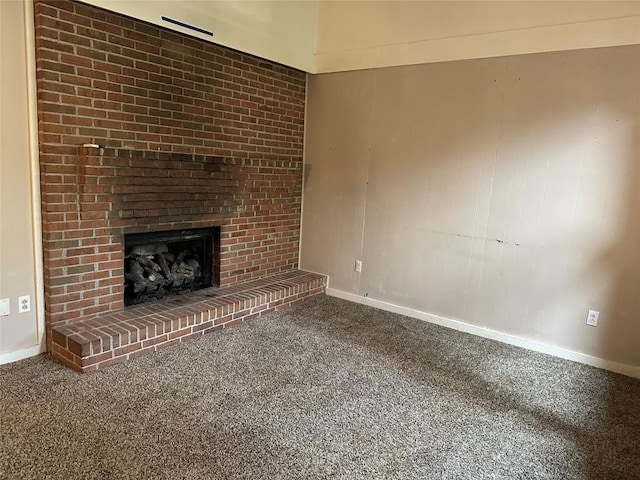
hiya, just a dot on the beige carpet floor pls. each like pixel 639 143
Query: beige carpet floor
pixel 325 390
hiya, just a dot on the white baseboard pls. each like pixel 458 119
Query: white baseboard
pixel 629 370
pixel 20 354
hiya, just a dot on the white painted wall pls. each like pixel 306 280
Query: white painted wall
pixel 356 35
pixel 21 334
pixel 503 193
pixel 282 31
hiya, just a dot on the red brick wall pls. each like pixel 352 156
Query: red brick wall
pixel 196 135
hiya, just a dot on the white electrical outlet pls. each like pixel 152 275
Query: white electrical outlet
pixel 5 307
pixel 358 267
pixel 592 318
pixel 24 304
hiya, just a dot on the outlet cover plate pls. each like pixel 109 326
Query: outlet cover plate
pixel 24 304
pixel 5 307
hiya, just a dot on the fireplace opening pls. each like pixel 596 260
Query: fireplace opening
pixel 175 262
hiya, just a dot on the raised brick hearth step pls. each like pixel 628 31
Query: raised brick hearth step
pixel 95 343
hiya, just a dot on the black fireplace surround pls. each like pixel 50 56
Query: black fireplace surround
pixel 174 262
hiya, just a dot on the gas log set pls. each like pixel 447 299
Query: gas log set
pixel 159 264
pixel 154 276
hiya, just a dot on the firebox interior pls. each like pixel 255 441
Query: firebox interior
pixel 167 263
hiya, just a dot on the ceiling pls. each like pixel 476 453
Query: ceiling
pixel 329 36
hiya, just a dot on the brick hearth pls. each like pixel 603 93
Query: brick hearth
pixel 92 344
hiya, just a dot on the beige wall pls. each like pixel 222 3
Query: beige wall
pixel 19 332
pixel 282 31
pixel 355 35
pixel 501 192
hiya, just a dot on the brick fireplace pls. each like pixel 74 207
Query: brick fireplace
pixel 194 136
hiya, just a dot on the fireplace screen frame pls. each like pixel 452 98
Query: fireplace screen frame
pixel 210 252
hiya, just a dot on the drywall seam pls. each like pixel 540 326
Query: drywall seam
pixel 629 370
pixel 36 215
pixel 372 112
